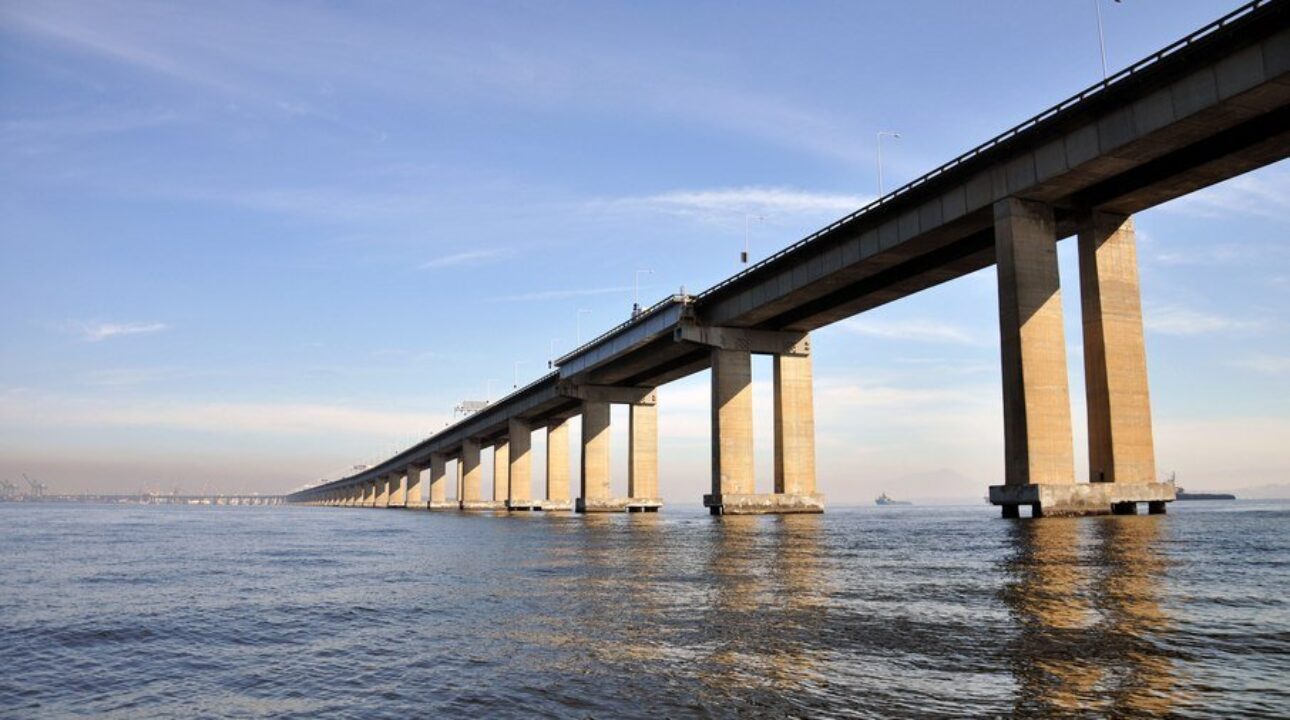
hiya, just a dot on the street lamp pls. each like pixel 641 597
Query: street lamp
pixel 743 258
pixel 636 296
pixel 518 363
pixel 881 134
pixel 550 363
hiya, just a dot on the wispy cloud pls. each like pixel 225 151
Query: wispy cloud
pixel 1261 194
pixel 96 332
pixel 915 330
pixel 1178 320
pixel 561 294
pixel 1264 363
pixel 470 257
pixel 723 203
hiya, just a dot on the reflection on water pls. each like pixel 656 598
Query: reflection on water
pixel 872 613
pixel 1084 593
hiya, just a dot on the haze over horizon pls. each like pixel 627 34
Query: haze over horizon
pixel 243 256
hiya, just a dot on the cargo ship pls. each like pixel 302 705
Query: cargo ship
pixel 1182 494
pixel 884 500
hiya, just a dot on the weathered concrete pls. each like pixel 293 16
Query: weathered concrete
pixel 1120 444
pixel 468 467
pixel 414 499
pixel 732 436
pixel 642 457
pixel 763 503
pixel 439 484
pixel 794 425
pixel 398 493
pixel 501 471
pixel 1036 398
pixel 558 496
pixel 382 492
pixel 595 457
pixel 1078 498
pixel 521 473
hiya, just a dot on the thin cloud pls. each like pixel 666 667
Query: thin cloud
pixel 1259 194
pixel 1181 321
pixel 914 330
pixel 1264 363
pixel 470 257
pixel 97 332
pixel 561 294
pixel 727 202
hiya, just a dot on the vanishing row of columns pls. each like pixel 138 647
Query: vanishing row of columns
pixel 1038 443
pixel 732 455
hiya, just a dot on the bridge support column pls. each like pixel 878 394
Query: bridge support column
pixel 1039 465
pixel 382 492
pixel 439 484
pixel 595 496
pixel 398 495
pixel 520 496
pixel 558 496
pixel 472 497
pixel 501 473
pixel 355 496
pixel 733 484
pixel 414 499
pixel 642 459
pixel 369 494
pixel 1121 448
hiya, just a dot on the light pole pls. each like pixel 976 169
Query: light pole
pixel 580 312
pixel 489 385
pixel 636 295
pixel 743 258
pixel 550 363
pixel 1101 40
pixel 518 363
pixel 881 134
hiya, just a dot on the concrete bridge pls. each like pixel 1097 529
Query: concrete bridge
pixel 1207 108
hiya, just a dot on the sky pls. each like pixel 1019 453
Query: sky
pixel 245 246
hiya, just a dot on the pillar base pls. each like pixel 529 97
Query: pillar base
pixel 523 505
pixel 482 505
pixel 763 504
pixel 557 505
pixel 417 506
pixel 443 505
pixel 1081 498
pixel 618 504
pixel 399 506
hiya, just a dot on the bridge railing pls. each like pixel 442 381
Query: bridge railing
pixel 1001 138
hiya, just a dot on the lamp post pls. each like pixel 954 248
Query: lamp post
pixel 881 134
pixel 550 363
pixel 743 258
pixel 516 383
pixel 636 294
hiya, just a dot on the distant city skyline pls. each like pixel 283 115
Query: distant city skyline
pixel 247 246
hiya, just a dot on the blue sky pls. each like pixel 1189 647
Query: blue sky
pixel 246 245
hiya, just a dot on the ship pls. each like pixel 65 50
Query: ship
pixel 1182 494
pixel 884 500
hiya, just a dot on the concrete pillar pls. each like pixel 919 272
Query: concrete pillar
pixel 501 470
pixel 461 477
pixel 1036 398
pixel 382 492
pixel 642 452
pixel 369 493
pixel 414 498
pixel 595 453
pixel 794 425
pixel 521 471
pixel 398 494
pixel 468 468
pixel 1120 444
pixel 732 414
pixel 438 482
pixel 558 496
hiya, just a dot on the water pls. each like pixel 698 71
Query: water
pixel 139 612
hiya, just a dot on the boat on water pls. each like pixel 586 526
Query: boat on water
pixel 1182 494
pixel 884 500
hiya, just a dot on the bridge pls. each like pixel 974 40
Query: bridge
pixel 1207 108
